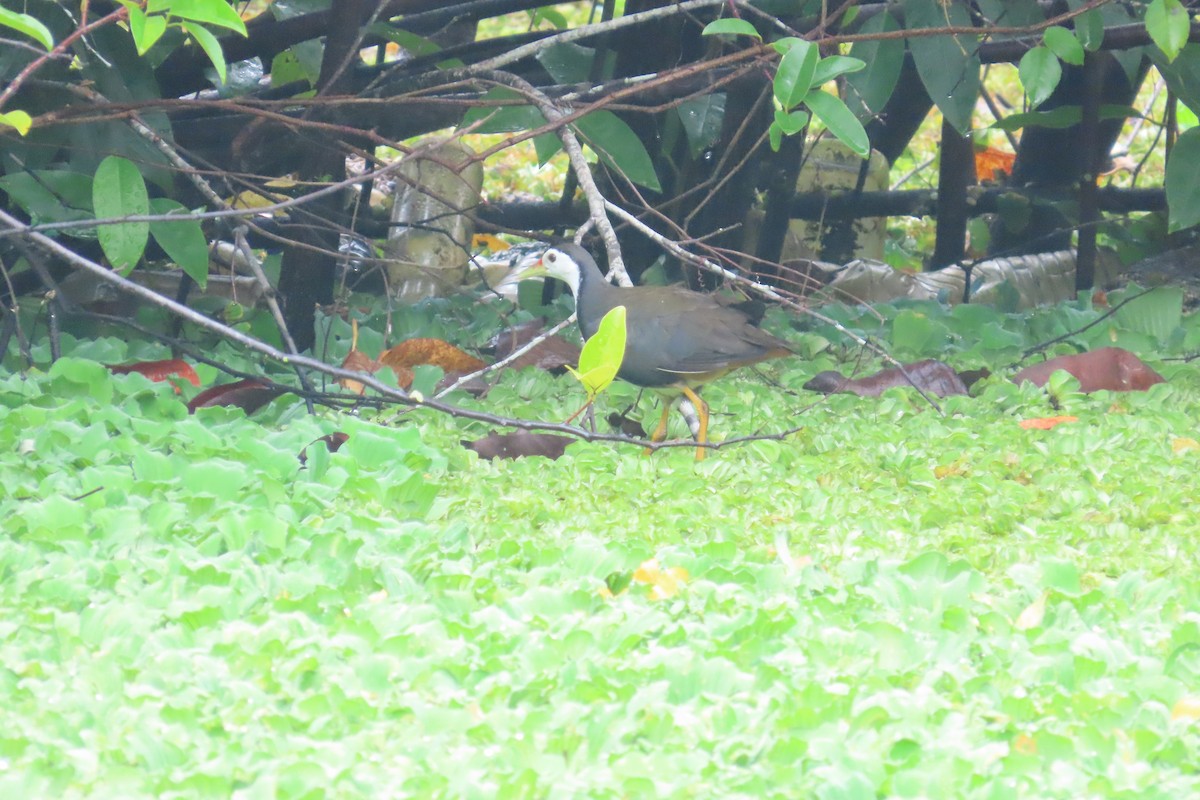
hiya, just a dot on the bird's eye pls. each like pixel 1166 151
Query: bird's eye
pixel 551 257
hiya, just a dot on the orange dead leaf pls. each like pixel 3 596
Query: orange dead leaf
pixel 415 352
pixel 357 361
pixel 1025 744
pixel 1184 443
pixel 486 241
pixel 992 164
pixel 160 370
pixel 1186 708
pixel 663 583
pixel 1045 423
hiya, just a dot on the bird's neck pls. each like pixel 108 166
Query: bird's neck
pixel 594 298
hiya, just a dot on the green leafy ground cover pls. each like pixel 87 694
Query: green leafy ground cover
pixel 890 603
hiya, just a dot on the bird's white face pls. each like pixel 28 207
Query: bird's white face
pixel 555 263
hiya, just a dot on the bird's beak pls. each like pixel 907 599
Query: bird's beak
pixel 529 267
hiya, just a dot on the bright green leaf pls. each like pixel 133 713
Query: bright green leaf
pixel 146 30
pixel 211 12
pixel 1062 43
pixel 602 354
pixel 1168 24
pixel 30 26
pixel 1089 27
pixel 791 122
pixel 840 121
pixel 19 120
pixel 211 47
pixel 794 76
pixel 835 66
pixel 119 191
pixel 731 26
pixel 1040 73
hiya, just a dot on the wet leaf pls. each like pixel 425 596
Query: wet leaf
pixel 1045 423
pixel 332 441
pixel 934 377
pixel 249 395
pixel 160 370
pixel 434 352
pixel 520 445
pixel 1111 368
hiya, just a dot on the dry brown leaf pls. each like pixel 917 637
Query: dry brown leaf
pixel 930 375
pixel 1109 368
pixel 358 361
pixel 435 352
pixel 519 445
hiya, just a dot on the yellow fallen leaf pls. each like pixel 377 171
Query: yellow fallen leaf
pixel 1025 744
pixel 1186 708
pixel 1182 444
pixel 663 583
pixel 1033 615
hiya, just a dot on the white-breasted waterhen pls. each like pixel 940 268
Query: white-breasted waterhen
pixel 676 340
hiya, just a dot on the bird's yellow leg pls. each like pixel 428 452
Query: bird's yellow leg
pixel 660 432
pixel 701 412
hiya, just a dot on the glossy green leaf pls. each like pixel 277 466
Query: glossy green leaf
pixel 1183 181
pixel 794 75
pixel 546 147
pixel 1061 117
pixel 948 65
pixel 51 195
pixel 1089 28
pixel 209 12
pixel 602 354
pixel 618 147
pixel 1062 43
pixel 840 121
pixel 29 25
pixel 832 67
pixel 1168 23
pixel 732 26
pixel 791 122
pixel 146 30
pixel 870 89
pixel 503 119
pixel 183 241
pixel 119 191
pixel 701 118
pixel 567 62
pixel 211 47
pixel 412 44
pixel 1040 73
